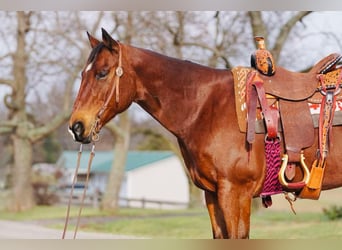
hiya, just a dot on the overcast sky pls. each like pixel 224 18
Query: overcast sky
pixel 310 42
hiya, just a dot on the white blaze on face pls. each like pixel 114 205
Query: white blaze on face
pixel 89 67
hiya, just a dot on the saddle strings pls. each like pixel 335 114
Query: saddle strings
pixel 91 157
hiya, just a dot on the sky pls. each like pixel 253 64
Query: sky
pixel 318 46
pixel 315 23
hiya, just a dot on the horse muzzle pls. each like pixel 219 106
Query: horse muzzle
pixel 77 130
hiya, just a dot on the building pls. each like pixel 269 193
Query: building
pixel 153 179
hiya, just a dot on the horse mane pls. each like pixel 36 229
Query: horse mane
pixel 184 62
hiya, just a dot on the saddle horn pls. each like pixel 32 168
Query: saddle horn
pixel 262 59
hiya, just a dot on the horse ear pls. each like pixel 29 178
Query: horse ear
pixel 108 40
pixel 93 41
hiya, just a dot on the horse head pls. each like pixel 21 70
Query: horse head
pixel 100 97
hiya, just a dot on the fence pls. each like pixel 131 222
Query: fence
pixel 95 200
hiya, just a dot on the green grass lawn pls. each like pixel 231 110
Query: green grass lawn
pixel 193 225
pixel 189 224
pixel 285 225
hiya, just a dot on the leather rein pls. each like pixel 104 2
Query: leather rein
pixel 91 157
pixel 95 137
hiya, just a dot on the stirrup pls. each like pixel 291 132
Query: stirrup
pixel 282 178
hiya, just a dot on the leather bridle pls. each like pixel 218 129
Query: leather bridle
pixel 115 89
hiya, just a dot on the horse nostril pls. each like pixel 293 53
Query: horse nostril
pixel 78 129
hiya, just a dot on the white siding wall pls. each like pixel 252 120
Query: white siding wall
pixel 98 182
pixel 164 181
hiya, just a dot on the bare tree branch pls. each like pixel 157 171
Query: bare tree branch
pixel 8 82
pixel 285 31
pixel 7 127
pixel 258 25
pixel 41 132
pixel 5 130
pixel 259 29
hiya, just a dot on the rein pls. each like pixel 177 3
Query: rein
pixel 91 157
pixel 95 137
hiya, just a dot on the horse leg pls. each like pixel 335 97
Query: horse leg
pixel 216 217
pixel 235 203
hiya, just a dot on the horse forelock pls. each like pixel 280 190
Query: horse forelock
pixel 95 52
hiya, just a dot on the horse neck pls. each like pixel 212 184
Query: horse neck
pixel 174 91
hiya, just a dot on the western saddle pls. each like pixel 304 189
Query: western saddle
pixel 282 98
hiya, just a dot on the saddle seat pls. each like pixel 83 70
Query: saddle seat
pixel 294 86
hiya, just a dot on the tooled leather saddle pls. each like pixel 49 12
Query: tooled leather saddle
pixel 274 100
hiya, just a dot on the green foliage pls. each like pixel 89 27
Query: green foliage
pixel 333 212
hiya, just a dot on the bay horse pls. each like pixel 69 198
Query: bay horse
pixel 196 104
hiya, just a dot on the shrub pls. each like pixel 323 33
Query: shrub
pixel 45 183
pixel 333 212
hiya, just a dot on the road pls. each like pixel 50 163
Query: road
pixel 24 230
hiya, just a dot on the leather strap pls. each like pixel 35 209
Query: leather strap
pixel 256 92
pixel 326 117
pixel 313 188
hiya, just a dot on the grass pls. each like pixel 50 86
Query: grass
pixel 46 212
pixel 59 212
pixel 283 225
pixel 189 224
pixel 193 225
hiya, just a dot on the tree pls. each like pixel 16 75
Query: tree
pixel 259 28
pixel 48 49
pixel 40 55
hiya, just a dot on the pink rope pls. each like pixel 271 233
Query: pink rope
pixel 271 185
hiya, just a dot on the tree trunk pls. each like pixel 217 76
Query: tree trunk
pixel 259 29
pixel 110 199
pixel 23 131
pixel 22 193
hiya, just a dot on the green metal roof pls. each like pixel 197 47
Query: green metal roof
pixel 102 161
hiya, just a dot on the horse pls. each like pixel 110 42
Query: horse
pixel 196 104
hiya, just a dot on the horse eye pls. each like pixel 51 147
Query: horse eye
pixel 102 74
